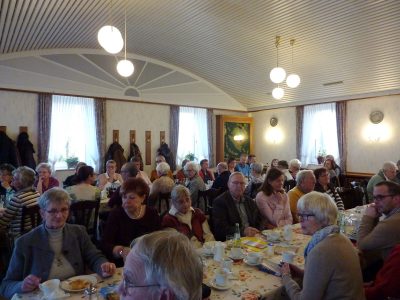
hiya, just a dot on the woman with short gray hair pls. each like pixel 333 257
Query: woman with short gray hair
pixel 52 250
pixel 45 181
pixel 194 182
pixel 256 180
pixel 332 269
pixel 25 195
pixel 187 220
pixel 160 275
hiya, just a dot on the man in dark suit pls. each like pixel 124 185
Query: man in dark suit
pixel 234 207
pixel 221 181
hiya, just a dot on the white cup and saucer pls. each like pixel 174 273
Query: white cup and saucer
pixel 236 254
pixel 51 290
pixel 253 258
pixel 221 280
pixel 288 257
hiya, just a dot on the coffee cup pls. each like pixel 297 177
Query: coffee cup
pixel 221 277
pixel 236 253
pixel 50 288
pixel 254 258
pixel 288 257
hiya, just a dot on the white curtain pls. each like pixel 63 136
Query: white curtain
pixel 73 131
pixel 319 133
pixel 192 133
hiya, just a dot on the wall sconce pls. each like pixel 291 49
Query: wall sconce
pixel 274 135
pixel 376 132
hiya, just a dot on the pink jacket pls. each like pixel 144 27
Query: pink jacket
pixel 275 208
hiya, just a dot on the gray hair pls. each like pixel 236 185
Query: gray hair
pixel 111 162
pixel 234 174
pixel 223 165
pixel 257 167
pixel 191 165
pixel 321 205
pixel 301 176
pixel 178 192
pixel 56 195
pixel 387 165
pixel 170 260
pixel 26 176
pixel 163 168
pixel 43 165
pixel 295 163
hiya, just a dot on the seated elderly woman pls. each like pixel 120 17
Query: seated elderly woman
pixel 324 186
pixel 54 249
pixel 109 179
pixel 160 275
pixel 84 189
pixel 25 195
pixel 256 180
pixel 194 182
pixel 129 221
pixel 45 181
pixel 273 202
pixel 163 184
pixel 332 268
pixel 187 220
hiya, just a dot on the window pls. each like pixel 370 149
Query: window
pixel 319 133
pixel 192 133
pixel 73 131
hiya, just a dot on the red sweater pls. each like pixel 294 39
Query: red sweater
pixel 387 281
pixel 198 219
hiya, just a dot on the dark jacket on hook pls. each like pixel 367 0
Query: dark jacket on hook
pixel 135 152
pixel 8 151
pixel 25 150
pixel 116 152
pixel 169 156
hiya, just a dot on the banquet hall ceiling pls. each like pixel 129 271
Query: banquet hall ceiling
pixel 221 48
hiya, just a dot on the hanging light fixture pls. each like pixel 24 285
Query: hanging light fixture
pixel 278 93
pixel 277 74
pixel 293 80
pixel 125 67
pixel 110 37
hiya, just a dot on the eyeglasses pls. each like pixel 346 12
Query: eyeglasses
pixel 54 212
pixel 305 217
pixel 238 183
pixel 126 284
pixel 381 197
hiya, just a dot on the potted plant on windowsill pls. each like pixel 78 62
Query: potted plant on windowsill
pixel 71 161
pixel 190 156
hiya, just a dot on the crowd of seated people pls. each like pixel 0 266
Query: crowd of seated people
pixel 134 217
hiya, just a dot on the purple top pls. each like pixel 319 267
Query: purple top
pixel 53 182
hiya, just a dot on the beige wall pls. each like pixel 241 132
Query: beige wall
pixel 19 109
pixel 125 116
pixel 275 142
pixel 365 155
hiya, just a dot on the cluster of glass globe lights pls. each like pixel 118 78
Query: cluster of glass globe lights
pixel 278 75
pixel 110 39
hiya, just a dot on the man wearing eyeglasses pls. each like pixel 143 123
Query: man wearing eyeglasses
pixel 376 233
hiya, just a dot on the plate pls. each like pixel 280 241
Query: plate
pixel 249 263
pixel 214 285
pixel 66 284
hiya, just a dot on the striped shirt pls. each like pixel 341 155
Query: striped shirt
pixel 12 216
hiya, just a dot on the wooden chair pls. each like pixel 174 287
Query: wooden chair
pixel 85 213
pixel 30 218
pixel 208 196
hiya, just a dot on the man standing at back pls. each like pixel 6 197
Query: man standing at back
pixel 387 173
pixel 233 207
pixel 242 166
pixel 305 182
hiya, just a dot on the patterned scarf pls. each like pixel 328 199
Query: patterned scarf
pixel 319 236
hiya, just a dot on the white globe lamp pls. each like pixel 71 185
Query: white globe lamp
pixel 278 93
pixel 110 39
pixel 125 68
pixel 277 75
pixel 293 80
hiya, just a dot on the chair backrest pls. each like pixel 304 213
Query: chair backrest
pixel 30 218
pixel 166 197
pixel 85 213
pixel 255 186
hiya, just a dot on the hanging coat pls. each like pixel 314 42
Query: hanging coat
pixel 8 151
pixel 135 152
pixel 116 152
pixel 169 156
pixel 25 151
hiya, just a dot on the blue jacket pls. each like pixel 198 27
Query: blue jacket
pixel 32 255
pixel 245 169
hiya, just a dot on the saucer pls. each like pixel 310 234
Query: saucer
pixel 251 264
pixel 214 285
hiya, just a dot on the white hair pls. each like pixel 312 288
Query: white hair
pixel 295 163
pixel 163 168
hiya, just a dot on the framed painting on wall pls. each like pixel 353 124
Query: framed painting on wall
pixel 234 136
